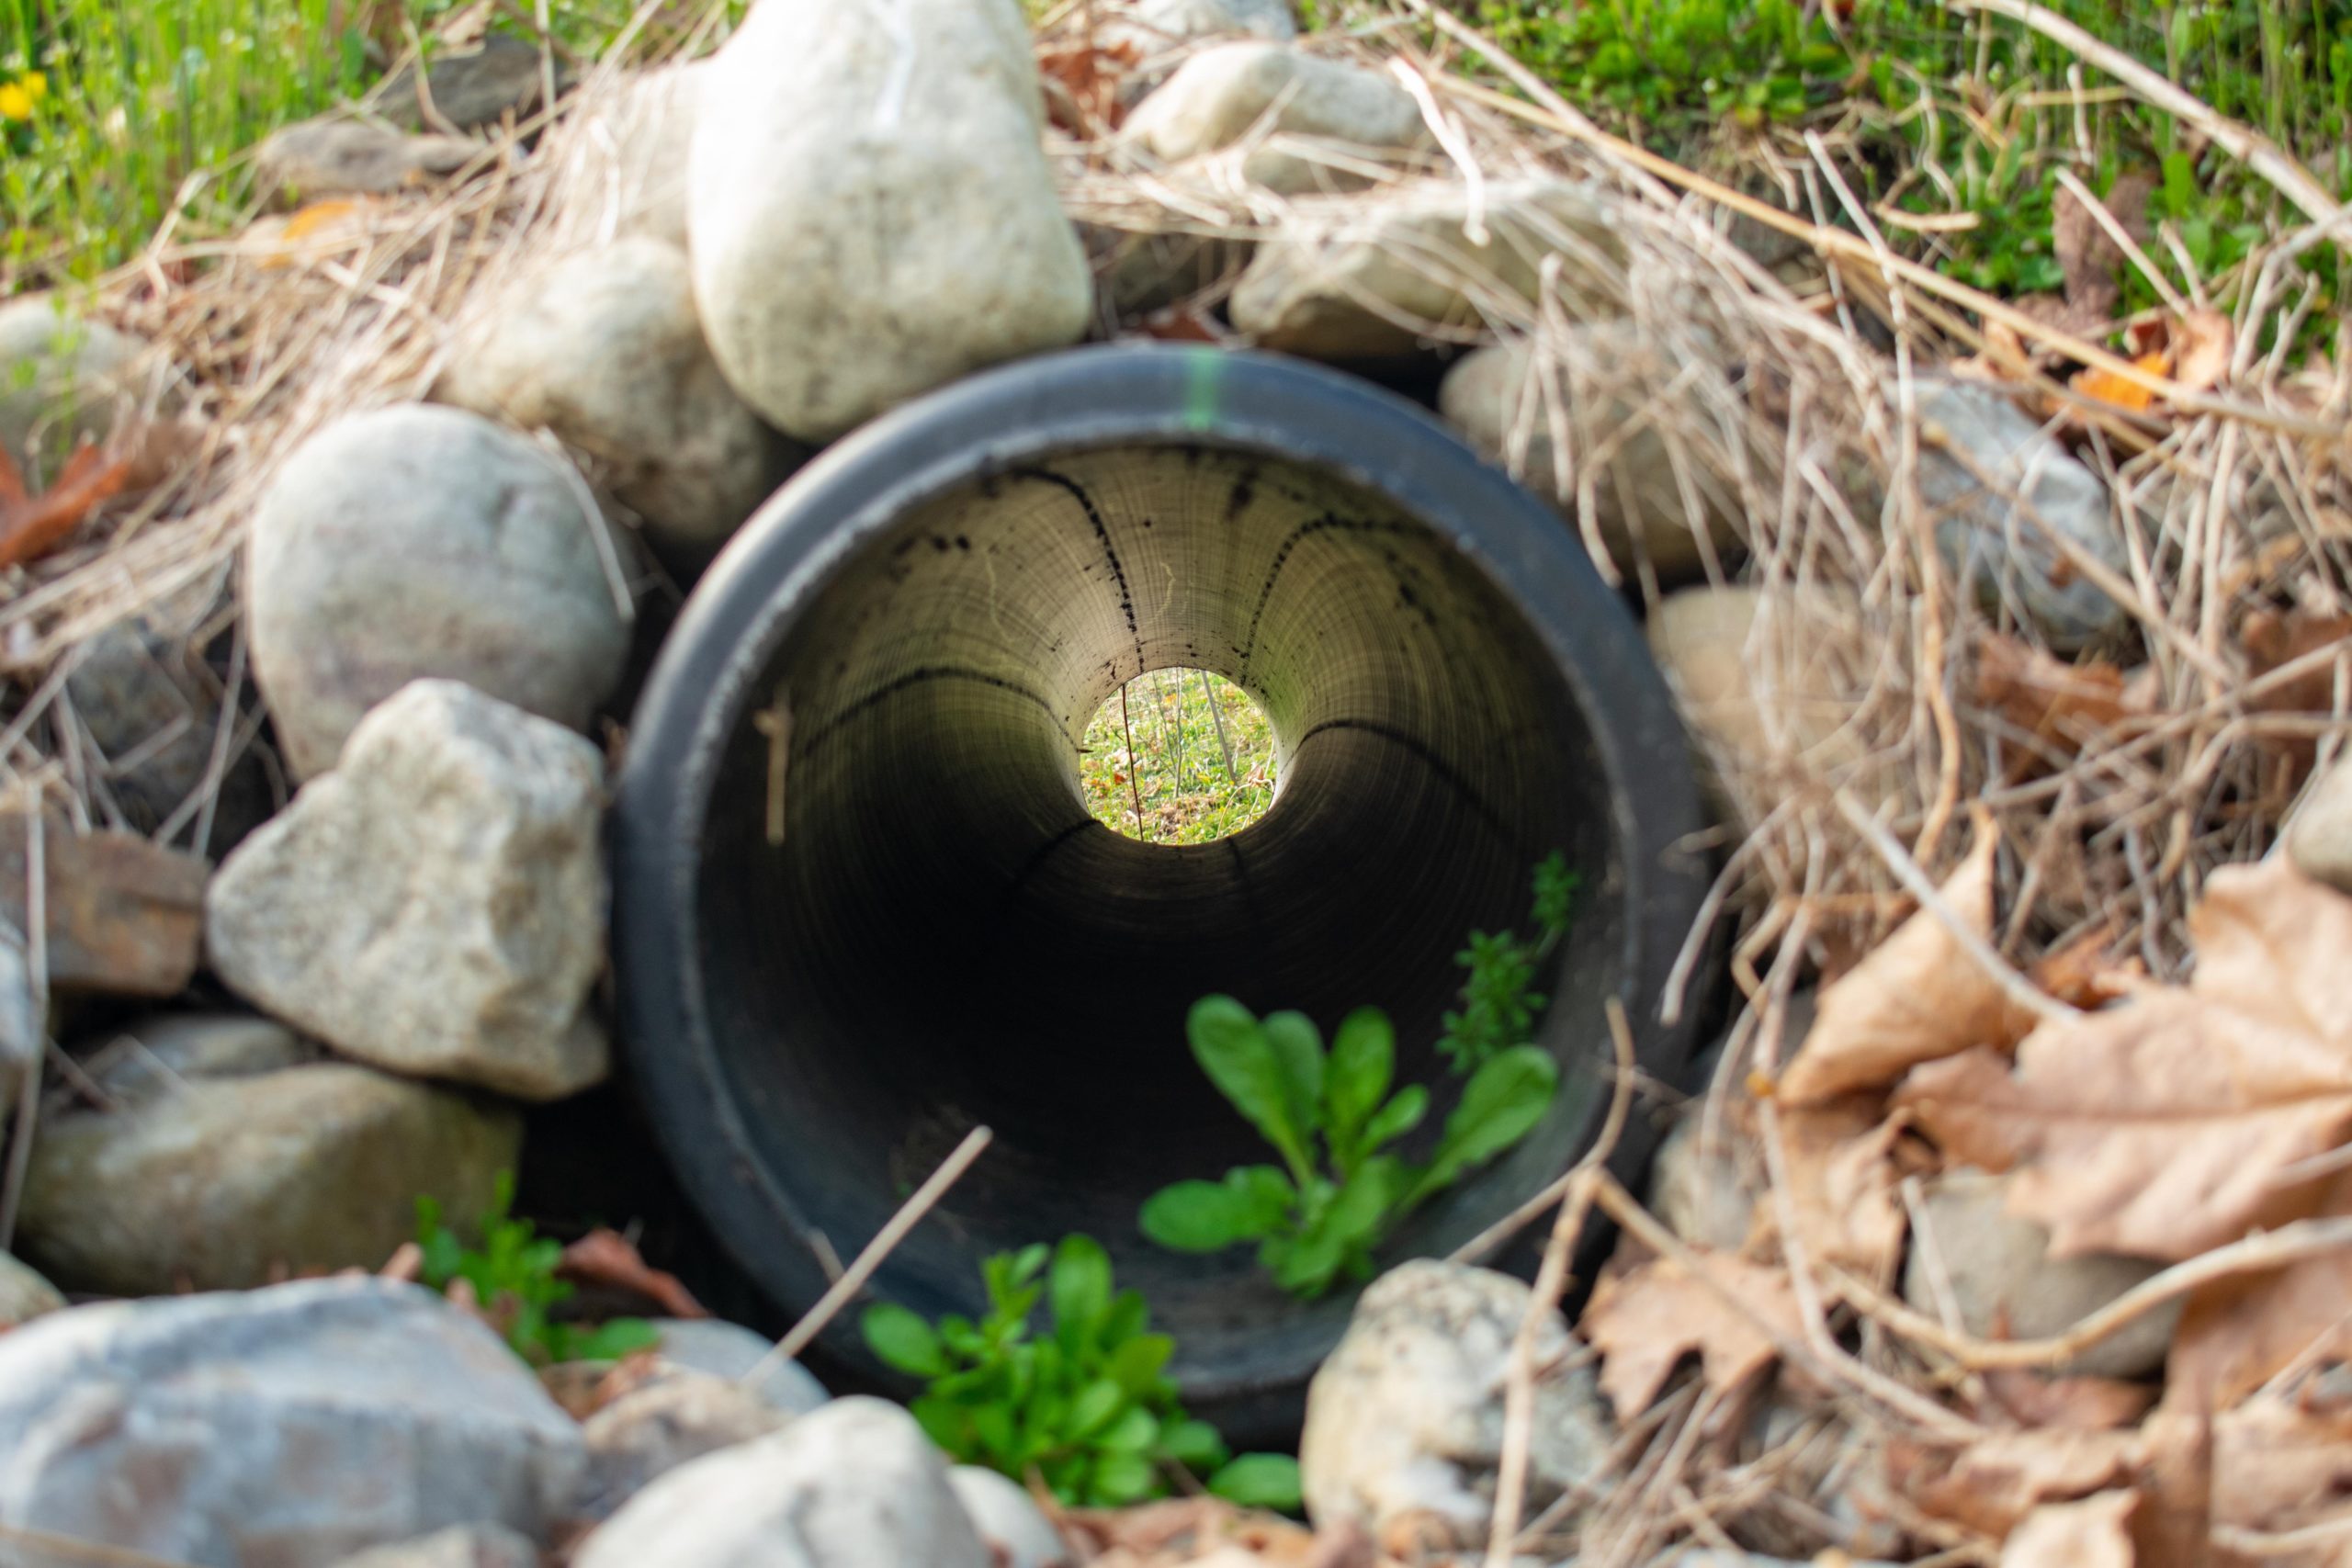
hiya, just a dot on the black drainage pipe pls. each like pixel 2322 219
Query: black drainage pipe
pixel 860 906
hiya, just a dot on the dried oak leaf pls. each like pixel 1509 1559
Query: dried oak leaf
pixel 1994 1483
pixel 2279 1467
pixel 2161 1128
pixel 2238 1334
pixel 1842 1185
pixel 1645 1321
pixel 2086 973
pixel 607 1258
pixel 2067 1404
pixel 2093 1533
pixel 1919 997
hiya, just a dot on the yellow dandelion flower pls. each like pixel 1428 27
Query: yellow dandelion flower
pixel 16 101
pixel 35 83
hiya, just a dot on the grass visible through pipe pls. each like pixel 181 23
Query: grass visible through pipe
pixel 1198 768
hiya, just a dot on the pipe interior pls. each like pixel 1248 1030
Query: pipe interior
pixel 946 938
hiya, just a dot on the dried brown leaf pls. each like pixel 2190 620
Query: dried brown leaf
pixel 2093 1533
pixel 2087 974
pixel 1994 1483
pixel 1920 996
pixel 2089 253
pixel 2204 343
pixel 1843 1186
pixel 2272 640
pixel 2054 700
pixel 2162 1128
pixel 1643 1321
pixel 2279 1466
pixel 607 1258
pixel 2073 1404
pixel 2238 1334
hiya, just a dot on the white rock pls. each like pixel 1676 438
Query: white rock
pixel 464 1546
pixel 414 542
pixel 651 1430
pixel 1405 1420
pixel 871 210
pixel 1973 433
pixel 436 906
pixel 854 1485
pixel 622 167
pixel 731 1351
pixel 2006 1286
pixel 25 1296
pixel 1243 92
pixel 1009 1520
pixel 1313 288
pixel 351 157
pixel 604 348
pixel 2319 837
pixel 227 1152
pixel 1638 506
pixel 1158 23
pixel 62 381
pixel 292 1427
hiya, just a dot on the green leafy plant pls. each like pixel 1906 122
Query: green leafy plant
pixel 1319 1217
pixel 512 1275
pixel 1087 1407
pixel 1500 1005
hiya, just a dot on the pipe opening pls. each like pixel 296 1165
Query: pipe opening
pixel 1177 756
pixel 864 904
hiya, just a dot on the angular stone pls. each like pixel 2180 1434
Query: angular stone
pixel 473 88
pixel 1405 1420
pixel 465 1546
pixel 1337 280
pixel 125 917
pixel 25 1296
pixel 2006 1285
pixel 1638 508
pixel 1984 466
pixel 731 1351
pixel 621 169
pixel 606 349
pixel 228 1154
pixel 1009 1520
pixel 2319 837
pixel 62 381
pixel 292 1426
pixel 349 157
pixel 436 906
pixel 854 1485
pixel 671 1421
pixel 419 542
pixel 1244 93
pixel 871 208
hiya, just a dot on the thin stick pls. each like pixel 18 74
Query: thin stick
pixel 1551 1283
pixel 20 1142
pixel 77 1550
pixel 885 1241
pixel 1216 716
pixel 2257 152
pixel 1135 785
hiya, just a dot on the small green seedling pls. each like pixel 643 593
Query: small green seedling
pixel 1088 1408
pixel 513 1274
pixel 1320 1216
pixel 1500 1006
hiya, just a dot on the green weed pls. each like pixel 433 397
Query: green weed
pixel 1498 1004
pixel 1087 1407
pixel 512 1273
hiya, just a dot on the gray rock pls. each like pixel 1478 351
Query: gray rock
pixel 1137 274
pixel 24 1029
pixel 25 1296
pixel 473 90
pixel 1158 23
pixel 416 542
pixel 729 1350
pixel 1699 1191
pixel 854 1485
pixel 1405 1420
pixel 2006 1286
pixel 1335 281
pixel 1009 1520
pixel 1242 93
pixel 622 168
pixel 228 1152
pixel 62 381
pixel 1973 435
pixel 150 705
pixel 606 349
pixel 465 1546
pixel 2319 837
pixel 436 906
pixel 351 157
pixel 293 1427
pixel 651 1430
pixel 871 208
pixel 1637 502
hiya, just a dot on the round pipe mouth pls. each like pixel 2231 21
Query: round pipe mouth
pixel 861 907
